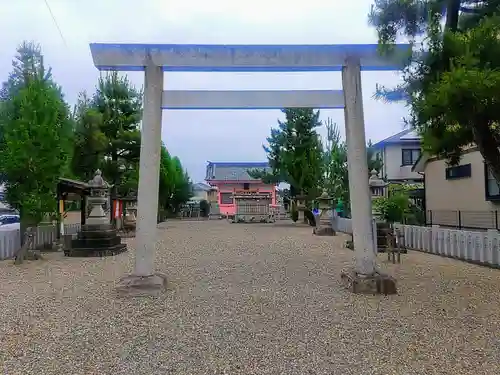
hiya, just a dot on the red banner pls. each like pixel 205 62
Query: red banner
pixel 117 209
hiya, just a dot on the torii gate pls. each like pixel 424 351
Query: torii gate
pixel 155 59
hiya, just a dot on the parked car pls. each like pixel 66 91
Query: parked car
pixel 9 222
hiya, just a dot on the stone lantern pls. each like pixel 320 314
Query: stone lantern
pixel 97 237
pixel 324 218
pixel 301 207
pixel 378 189
pixel 377 185
pixel 99 193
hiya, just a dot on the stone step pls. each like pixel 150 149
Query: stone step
pixel 95 243
pixel 93 252
pixel 96 234
pixel 97 227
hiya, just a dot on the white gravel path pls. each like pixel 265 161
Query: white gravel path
pixel 248 299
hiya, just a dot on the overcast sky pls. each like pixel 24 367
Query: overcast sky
pixel 198 136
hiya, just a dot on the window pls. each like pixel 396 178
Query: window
pixel 458 171
pixel 409 156
pixel 246 186
pixel 226 198
pixel 492 187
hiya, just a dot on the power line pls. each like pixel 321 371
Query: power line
pixel 55 22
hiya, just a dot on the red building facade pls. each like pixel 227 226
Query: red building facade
pixel 232 177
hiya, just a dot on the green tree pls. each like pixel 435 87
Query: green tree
pixel 373 158
pixel 397 206
pixel 183 187
pixel 295 153
pixel 107 131
pixel 335 159
pixel 129 180
pixel 167 179
pixel 336 176
pixel 175 185
pixel 90 141
pixel 37 130
pixel 27 62
pixel 452 89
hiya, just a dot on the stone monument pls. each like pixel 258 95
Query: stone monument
pixel 324 219
pixel 301 208
pixel 98 237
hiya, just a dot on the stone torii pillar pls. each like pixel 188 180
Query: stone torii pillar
pixel 360 197
pixel 144 279
pixel 365 276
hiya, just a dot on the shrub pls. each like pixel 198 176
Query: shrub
pixel 294 215
pixel 204 208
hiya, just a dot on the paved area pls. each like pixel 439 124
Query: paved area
pixel 248 299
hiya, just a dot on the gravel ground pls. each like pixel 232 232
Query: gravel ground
pixel 248 299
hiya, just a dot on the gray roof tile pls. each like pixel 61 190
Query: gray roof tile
pixel 232 171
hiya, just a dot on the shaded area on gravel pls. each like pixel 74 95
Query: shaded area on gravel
pixel 248 299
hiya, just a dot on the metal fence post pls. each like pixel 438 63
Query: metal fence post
pixel 459 219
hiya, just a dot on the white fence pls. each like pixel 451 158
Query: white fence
pixel 475 247
pixel 341 224
pixel 280 213
pixel 44 235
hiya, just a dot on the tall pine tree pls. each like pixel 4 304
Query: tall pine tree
pixel 107 129
pixel 295 153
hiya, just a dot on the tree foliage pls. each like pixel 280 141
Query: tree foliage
pixel 175 184
pixel 336 176
pixel 28 62
pixel 90 141
pixel 182 185
pixel 108 137
pixel 373 158
pixel 36 136
pixel 41 141
pixel 397 206
pixel 335 160
pixel 452 88
pixel 119 104
pixel 295 153
pixel 107 129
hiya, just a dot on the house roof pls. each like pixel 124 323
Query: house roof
pixel 405 136
pixel 202 186
pixel 67 185
pixel 233 171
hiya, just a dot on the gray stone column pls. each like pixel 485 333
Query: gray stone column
pixel 149 170
pixel 360 197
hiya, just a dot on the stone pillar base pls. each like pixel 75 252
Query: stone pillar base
pixel 142 286
pixel 377 283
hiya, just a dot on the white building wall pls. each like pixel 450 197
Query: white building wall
pixel 393 167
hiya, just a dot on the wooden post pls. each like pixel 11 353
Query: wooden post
pixel 61 218
pixel 83 209
pixel 58 220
